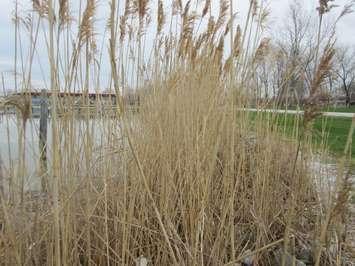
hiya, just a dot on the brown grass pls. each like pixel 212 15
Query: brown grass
pixel 188 179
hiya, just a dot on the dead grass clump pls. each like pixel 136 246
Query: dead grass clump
pixel 221 186
pixel 189 179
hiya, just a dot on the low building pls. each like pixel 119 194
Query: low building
pixel 69 100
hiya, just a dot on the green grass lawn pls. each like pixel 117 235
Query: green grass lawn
pixel 329 131
pixel 336 131
pixel 340 109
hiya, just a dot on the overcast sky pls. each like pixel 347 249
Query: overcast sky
pixel 279 8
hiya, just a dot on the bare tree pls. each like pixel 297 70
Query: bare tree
pixel 345 71
pixel 295 54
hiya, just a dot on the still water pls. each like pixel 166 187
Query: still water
pixel 11 129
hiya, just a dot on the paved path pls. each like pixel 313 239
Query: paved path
pixel 295 112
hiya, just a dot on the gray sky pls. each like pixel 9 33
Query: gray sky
pixel 345 31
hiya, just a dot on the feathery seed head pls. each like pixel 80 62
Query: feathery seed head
pixel 206 8
pixel 325 6
pixel 237 42
pixel 41 7
pixel 262 49
pixel 223 8
pixel 161 17
pixel 86 30
pixel 64 14
pixel 177 7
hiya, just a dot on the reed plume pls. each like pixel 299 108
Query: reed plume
pixel 142 10
pixel 128 10
pixel 262 50
pixel 86 28
pixel 237 42
pixel 41 7
pixel 323 70
pixel 325 6
pixel 206 8
pixel 177 7
pixel 254 7
pixel 222 17
pixel 182 176
pixel 64 13
pixel 161 17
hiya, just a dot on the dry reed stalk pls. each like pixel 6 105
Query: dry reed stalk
pixel 189 179
pixel 127 131
pixel 56 167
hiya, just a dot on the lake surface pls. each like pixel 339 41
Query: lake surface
pixel 10 131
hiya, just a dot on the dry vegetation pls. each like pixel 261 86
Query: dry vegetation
pixel 190 179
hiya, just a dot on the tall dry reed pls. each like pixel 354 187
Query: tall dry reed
pixel 190 177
